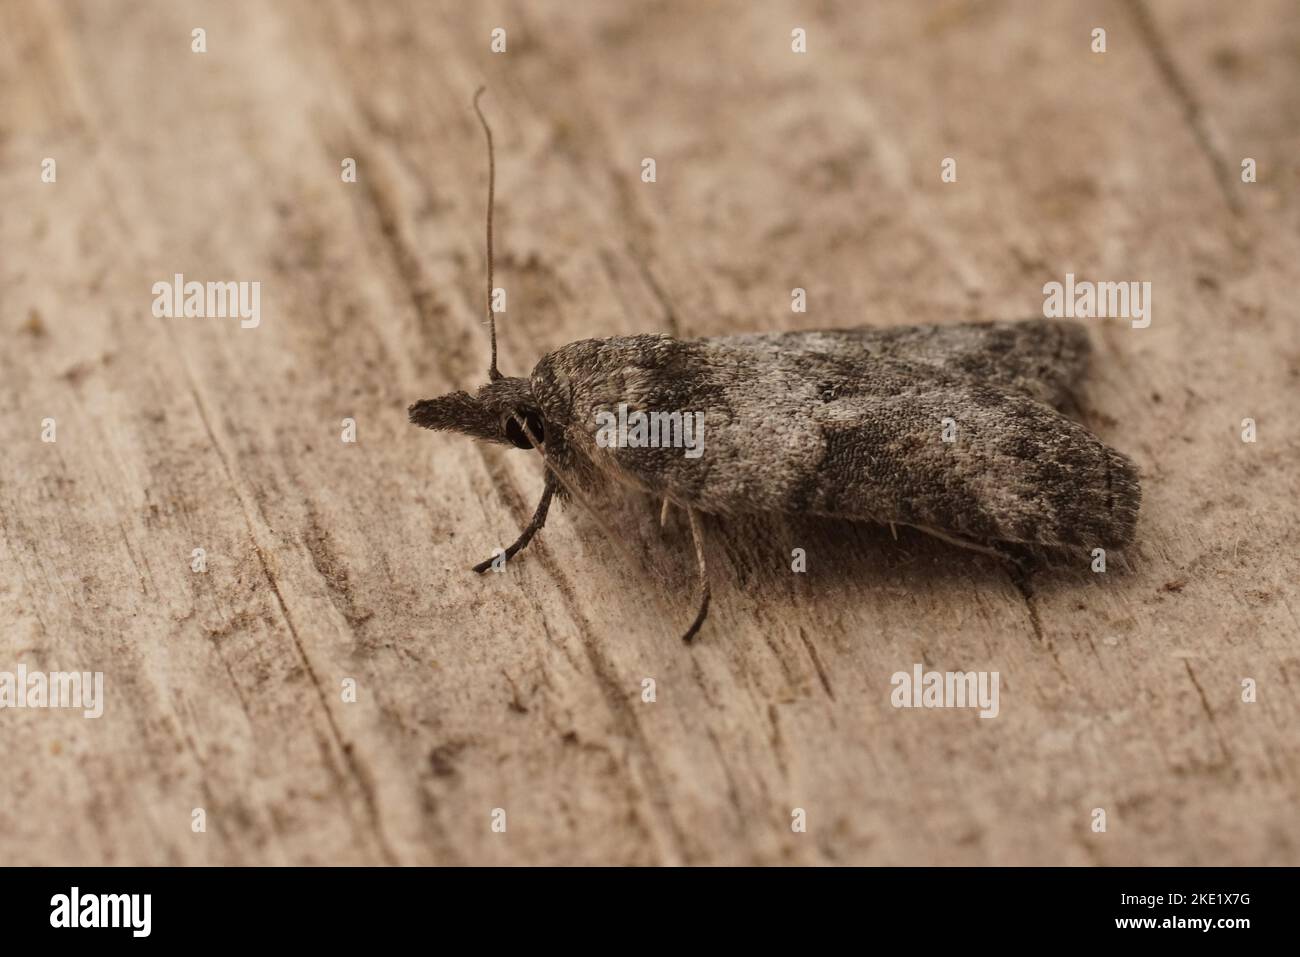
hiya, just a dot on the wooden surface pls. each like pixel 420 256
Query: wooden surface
pixel 522 691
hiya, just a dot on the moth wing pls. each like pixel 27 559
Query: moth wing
pixel 980 461
pixel 839 432
pixel 1041 358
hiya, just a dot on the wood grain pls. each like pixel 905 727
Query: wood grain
pixel 522 691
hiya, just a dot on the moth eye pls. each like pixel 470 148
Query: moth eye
pixel 518 438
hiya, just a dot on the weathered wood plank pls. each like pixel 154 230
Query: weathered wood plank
pixel 330 561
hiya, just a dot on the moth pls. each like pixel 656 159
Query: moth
pixel 956 430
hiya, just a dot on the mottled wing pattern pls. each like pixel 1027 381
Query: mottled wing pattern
pixel 850 424
pixel 1042 358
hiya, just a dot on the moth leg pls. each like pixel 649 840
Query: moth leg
pixel 960 542
pixel 526 536
pixel 663 514
pixel 697 535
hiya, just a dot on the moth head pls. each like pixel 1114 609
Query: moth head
pixel 503 411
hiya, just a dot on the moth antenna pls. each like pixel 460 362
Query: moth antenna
pixel 493 373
